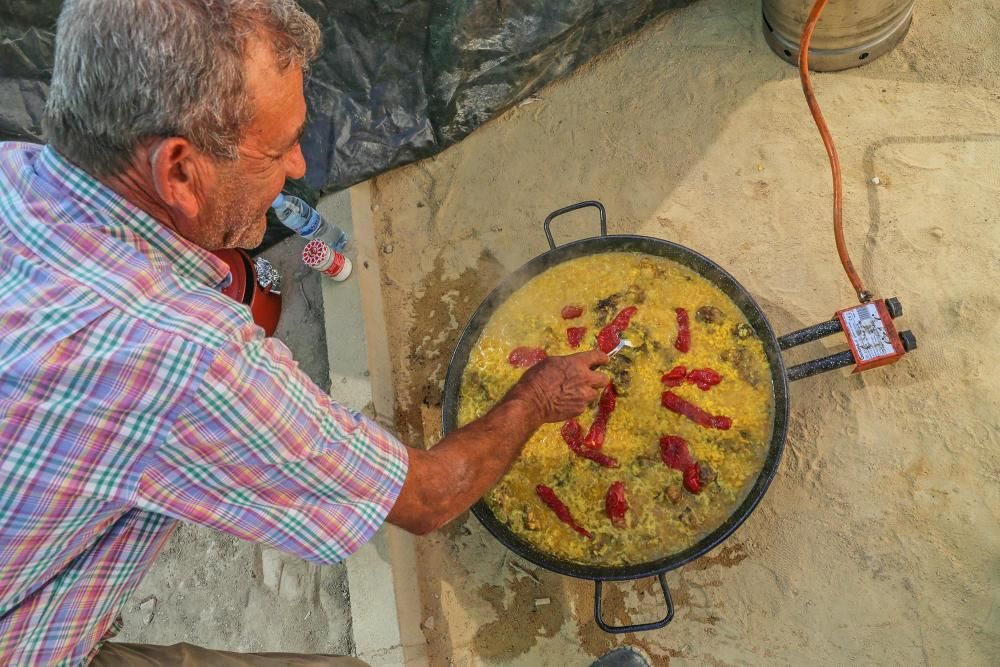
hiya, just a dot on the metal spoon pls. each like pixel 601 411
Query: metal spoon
pixel 621 343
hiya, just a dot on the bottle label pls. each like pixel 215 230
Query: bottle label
pixel 312 225
pixel 336 266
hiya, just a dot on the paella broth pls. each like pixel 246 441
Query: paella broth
pixel 664 518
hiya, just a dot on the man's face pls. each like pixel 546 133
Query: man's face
pixel 239 193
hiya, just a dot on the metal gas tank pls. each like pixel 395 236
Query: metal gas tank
pixel 849 33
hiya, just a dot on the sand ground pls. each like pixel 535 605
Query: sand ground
pixel 877 542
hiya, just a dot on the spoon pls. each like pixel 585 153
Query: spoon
pixel 621 343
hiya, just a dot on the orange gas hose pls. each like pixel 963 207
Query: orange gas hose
pixel 838 192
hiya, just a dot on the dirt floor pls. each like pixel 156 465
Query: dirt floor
pixel 878 540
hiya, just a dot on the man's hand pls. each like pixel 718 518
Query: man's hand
pixel 559 388
pixel 443 482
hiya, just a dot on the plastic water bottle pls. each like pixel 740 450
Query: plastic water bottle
pixel 307 222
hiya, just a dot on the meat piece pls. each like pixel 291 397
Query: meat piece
pixel 742 361
pixel 526 357
pixel 706 473
pixel 675 494
pixel 616 505
pixel 709 315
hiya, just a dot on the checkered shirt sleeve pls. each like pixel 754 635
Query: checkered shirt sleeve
pixel 259 451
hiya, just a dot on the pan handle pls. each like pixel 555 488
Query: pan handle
pixel 841 359
pixel 572 207
pixel 639 627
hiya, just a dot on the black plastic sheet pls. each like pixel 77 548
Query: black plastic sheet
pixel 397 80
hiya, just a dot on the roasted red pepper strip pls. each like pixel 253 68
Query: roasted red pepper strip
pixel 623 318
pixel 675 377
pixel 609 400
pixel 704 378
pixel 597 457
pixel 573 435
pixel 683 342
pixel 615 504
pixel 571 312
pixel 675 403
pixel 692 478
pixel 595 436
pixel 574 335
pixel 526 357
pixel 549 497
pixel 610 335
pixel 675 453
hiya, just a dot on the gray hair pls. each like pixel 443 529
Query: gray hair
pixel 126 71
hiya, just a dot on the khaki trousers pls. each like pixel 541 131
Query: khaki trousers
pixel 114 654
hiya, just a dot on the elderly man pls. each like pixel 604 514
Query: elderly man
pixel 133 393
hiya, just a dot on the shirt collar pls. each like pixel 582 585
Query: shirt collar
pixel 163 247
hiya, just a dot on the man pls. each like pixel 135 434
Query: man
pixel 133 394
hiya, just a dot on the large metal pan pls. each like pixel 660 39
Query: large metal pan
pixel 779 382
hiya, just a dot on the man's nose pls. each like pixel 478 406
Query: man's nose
pixel 295 164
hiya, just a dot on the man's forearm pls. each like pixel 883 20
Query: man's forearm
pixel 444 481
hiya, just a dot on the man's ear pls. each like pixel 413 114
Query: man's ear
pixel 178 173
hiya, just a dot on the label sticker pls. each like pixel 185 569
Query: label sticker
pixel 865 327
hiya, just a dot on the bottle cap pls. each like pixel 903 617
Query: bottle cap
pixel 279 200
pixel 326 260
pixel 317 254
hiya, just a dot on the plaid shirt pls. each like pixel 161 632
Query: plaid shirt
pixel 133 394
